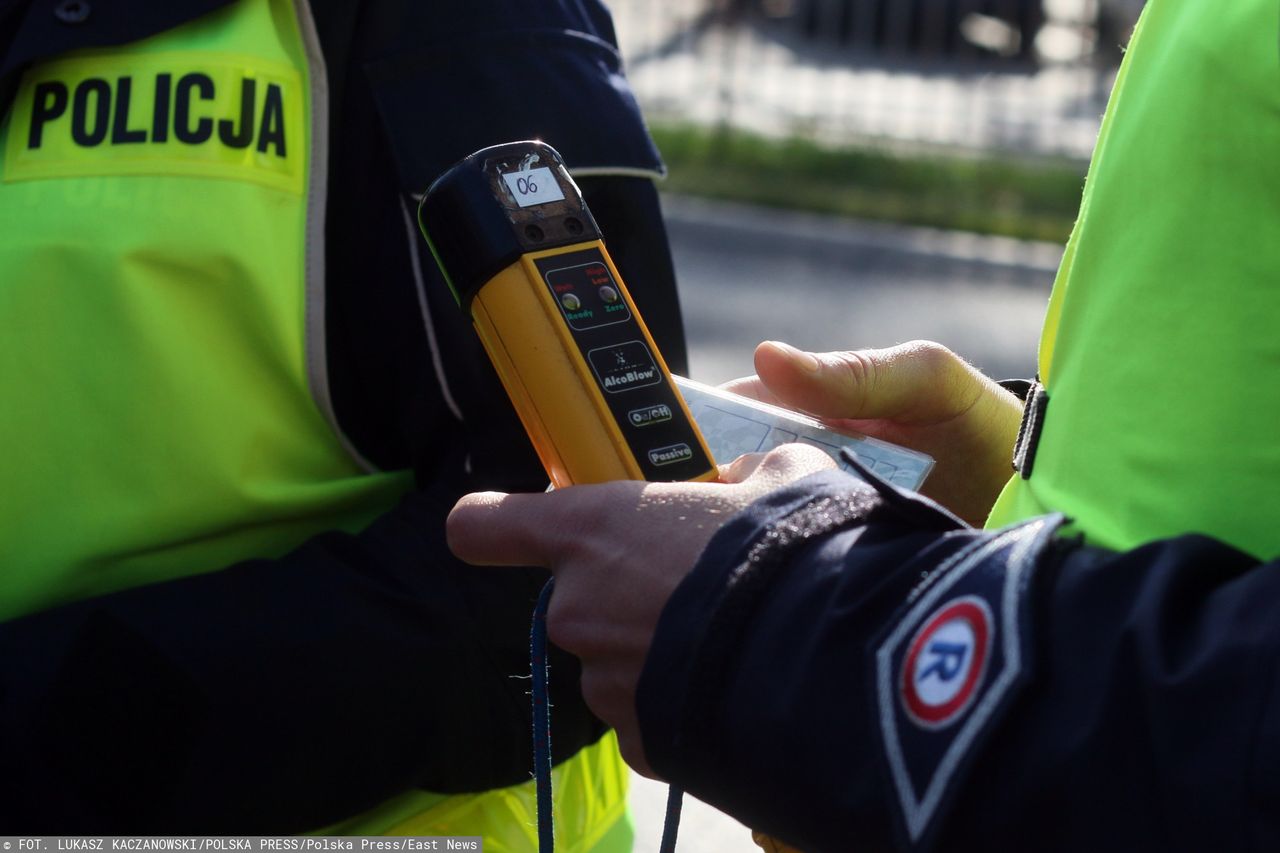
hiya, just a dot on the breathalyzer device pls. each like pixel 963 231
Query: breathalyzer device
pixel 525 259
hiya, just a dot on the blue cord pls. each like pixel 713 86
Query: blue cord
pixel 542 720
pixel 671 826
pixel 542 739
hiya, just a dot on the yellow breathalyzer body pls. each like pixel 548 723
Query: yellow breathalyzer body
pixel 523 255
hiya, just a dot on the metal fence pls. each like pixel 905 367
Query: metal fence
pixel 1022 76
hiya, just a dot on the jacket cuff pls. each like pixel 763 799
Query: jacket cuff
pixel 786 646
pixel 669 685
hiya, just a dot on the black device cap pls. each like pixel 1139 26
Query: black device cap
pixel 490 208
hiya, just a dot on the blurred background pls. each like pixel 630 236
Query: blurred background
pixel 849 173
pixel 853 173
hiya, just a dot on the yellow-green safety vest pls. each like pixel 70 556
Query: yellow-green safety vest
pixel 166 407
pixel 1159 351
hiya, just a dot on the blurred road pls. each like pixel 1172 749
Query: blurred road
pixel 749 274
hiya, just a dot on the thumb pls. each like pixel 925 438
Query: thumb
pixel 917 382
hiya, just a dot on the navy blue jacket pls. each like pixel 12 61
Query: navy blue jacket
pixel 852 668
pixel 257 696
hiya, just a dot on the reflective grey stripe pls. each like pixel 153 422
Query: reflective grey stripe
pixel 317 199
pixel 619 171
pixel 428 322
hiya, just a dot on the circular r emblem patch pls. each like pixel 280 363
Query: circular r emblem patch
pixel 946 661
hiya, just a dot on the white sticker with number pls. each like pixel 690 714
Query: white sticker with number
pixel 533 186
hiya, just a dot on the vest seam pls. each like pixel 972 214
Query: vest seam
pixel 314 243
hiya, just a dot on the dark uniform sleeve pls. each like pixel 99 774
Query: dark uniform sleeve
pixel 275 696
pixel 852 669
pixel 284 695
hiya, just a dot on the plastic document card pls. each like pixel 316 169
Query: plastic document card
pixel 733 425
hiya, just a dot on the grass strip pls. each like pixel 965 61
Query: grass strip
pixel 1035 200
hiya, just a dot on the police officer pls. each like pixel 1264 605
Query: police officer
pixel 852 667
pixel 239 405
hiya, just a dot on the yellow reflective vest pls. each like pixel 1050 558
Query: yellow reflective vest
pixel 163 361
pixel 1158 350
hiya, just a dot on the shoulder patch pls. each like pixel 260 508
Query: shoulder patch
pixel 945 661
pixel 950 664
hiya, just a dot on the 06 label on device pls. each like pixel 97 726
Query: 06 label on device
pixel 621 367
pixel 533 186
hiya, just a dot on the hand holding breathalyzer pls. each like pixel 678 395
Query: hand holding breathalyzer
pixel 617 551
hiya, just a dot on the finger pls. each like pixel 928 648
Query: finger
pixel 913 382
pixel 789 462
pixel 752 387
pixel 741 468
pixel 496 529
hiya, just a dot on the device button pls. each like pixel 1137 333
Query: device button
pixel 570 302
pixel 649 415
pixel 670 454
pixel 608 295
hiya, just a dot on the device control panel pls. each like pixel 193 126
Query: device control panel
pixel 640 396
